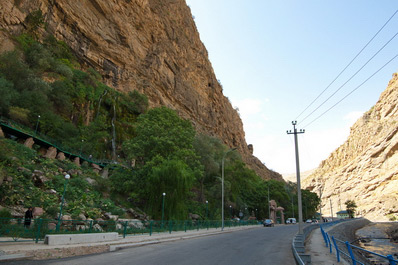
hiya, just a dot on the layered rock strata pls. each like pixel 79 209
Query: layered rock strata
pixel 365 167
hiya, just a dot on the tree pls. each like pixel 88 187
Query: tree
pixel 161 132
pixel 350 208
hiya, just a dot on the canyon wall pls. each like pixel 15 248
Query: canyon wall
pixel 365 168
pixel 152 46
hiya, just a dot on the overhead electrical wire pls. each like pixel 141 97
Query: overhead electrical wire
pixel 371 58
pixel 374 36
pixel 352 91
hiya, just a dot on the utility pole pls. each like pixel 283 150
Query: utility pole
pixel 320 205
pixel 300 210
pixel 269 210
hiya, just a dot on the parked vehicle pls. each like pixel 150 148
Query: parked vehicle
pixel 268 222
pixel 309 221
pixel 291 221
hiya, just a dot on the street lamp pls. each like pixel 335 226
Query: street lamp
pixel 81 148
pixel 37 123
pixel 222 186
pixel 67 177
pixel 207 210
pixel 230 211
pixel 164 195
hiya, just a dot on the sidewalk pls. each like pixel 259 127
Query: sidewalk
pixel 320 254
pixel 39 251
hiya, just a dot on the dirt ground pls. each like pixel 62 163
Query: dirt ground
pixel 57 253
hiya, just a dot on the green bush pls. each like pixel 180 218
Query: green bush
pixel 5 213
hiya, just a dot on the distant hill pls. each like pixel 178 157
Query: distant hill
pixel 293 178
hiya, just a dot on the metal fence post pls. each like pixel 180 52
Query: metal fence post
pixel 354 262
pixel 324 236
pixel 91 226
pixel 150 228
pixel 391 260
pixel 337 249
pixel 38 230
pixel 330 244
pixel 125 229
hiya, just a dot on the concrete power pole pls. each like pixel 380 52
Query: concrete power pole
pixel 300 206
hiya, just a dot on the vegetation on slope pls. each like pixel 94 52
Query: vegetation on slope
pixel 79 112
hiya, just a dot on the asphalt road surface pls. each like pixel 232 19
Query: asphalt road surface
pixel 262 245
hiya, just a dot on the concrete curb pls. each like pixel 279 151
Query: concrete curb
pixel 13 257
pixel 113 246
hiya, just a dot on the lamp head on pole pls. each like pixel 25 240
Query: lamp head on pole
pixel 67 176
pixel 207 201
pixel 164 193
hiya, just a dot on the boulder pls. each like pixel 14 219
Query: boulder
pixel 25 170
pixel 97 227
pixel 194 216
pixel 51 226
pixel 90 180
pixel 51 153
pixel 61 156
pixel 38 211
pixel 82 217
pixel 66 218
pixel 96 167
pixel 76 161
pixel 29 142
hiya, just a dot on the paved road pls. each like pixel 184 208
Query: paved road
pixel 262 245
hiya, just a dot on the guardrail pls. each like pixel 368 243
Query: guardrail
pixel 298 247
pixel 16 229
pixel 347 249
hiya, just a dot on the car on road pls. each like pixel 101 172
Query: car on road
pixel 309 221
pixel 268 222
pixel 291 221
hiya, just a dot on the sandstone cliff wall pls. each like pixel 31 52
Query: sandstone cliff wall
pixel 151 46
pixel 365 167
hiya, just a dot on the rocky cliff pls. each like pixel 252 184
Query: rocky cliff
pixel 151 46
pixel 365 167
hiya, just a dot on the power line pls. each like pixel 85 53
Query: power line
pixel 348 64
pixel 352 91
pixel 350 77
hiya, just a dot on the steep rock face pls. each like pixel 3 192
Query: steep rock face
pixel 365 167
pixel 151 46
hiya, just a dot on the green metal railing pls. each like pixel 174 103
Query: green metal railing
pixel 14 229
pixel 43 139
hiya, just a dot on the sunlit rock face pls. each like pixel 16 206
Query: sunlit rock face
pixel 365 167
pixel 151 46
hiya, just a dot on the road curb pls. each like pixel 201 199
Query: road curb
pixel 115 247
pixel 13 257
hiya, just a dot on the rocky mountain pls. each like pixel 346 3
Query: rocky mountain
pixel 365 167
pixel 151 46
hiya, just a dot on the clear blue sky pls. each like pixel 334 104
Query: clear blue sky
pixel 274 58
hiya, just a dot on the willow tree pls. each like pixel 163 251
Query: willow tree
pixel 166 161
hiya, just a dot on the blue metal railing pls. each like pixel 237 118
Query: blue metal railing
pixel 347 249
